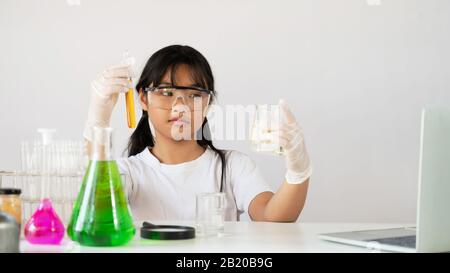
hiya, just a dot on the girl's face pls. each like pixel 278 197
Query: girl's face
pixel 180 122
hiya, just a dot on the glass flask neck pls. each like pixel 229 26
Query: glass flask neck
pixel 102 149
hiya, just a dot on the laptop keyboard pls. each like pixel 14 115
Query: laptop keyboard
pixel 404 241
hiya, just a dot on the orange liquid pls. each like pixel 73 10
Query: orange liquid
pixel 131 115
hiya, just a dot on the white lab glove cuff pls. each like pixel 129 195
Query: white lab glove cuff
pixel 298 178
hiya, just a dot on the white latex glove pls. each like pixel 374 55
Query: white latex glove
pixel 291 139
pixel 105 92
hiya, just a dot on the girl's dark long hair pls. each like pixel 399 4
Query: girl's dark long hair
pixel 165 59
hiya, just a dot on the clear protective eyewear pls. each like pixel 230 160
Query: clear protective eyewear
pixel 166 97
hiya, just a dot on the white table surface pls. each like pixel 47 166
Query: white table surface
pixel 238 237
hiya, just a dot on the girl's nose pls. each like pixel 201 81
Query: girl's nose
pixel 180 109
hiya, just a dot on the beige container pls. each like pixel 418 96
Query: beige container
pixel 11 203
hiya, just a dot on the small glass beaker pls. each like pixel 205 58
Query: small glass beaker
pixel 264 134
pixel 210 213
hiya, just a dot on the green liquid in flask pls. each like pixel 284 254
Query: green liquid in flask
pixel 101 216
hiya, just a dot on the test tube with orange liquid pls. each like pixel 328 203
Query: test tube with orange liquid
pixel 129 95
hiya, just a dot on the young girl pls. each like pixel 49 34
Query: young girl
pixel 168 166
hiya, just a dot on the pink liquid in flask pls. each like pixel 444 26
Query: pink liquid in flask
pixel 44 227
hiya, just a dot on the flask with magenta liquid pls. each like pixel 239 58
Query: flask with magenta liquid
pixel 45 226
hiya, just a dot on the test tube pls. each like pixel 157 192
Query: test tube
pixel 131 116
pixel 129 95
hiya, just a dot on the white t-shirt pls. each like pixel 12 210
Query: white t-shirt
pixel 168 191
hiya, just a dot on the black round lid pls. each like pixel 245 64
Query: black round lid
pixel 8 191
pixel 166 232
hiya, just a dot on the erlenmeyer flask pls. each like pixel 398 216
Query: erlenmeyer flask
pixel 44 226
pixel 101 216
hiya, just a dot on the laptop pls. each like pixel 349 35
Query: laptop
pixel 432 231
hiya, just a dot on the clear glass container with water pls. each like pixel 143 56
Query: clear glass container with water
pixel 264 134
pixel 210 213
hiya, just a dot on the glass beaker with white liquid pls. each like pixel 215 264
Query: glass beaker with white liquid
pixel 264 133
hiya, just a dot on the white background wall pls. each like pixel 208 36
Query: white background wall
pixel 355 73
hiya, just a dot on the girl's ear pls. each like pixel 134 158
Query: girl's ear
pixel 143 99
